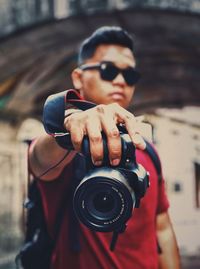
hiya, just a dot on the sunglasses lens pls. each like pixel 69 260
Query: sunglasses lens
pixel 108 71
pixel 131 76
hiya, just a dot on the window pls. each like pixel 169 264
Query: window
pixel 177 187
pixel 197 185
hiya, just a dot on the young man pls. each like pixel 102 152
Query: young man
pixel 106 75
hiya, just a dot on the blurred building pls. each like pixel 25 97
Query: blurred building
pixel 177 138
pixel 13 185
pixel 39 42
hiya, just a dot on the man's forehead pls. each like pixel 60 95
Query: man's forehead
pixel 114 53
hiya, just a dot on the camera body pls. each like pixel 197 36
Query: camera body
pixel 105 198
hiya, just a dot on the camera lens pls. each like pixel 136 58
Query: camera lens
pixel 103 202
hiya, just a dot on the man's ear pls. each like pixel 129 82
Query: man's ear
pixel 76 78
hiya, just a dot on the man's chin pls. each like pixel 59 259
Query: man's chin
pixel 119 102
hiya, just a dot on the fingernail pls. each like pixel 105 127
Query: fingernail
pixel 139 141
pixel 97 163
pixel 115 162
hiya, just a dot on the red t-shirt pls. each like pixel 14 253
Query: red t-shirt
pixel 136 248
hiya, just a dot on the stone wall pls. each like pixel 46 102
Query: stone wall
pixel 13 187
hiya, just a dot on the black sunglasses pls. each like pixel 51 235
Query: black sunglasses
pixel 109 71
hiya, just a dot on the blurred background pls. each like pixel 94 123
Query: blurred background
pixel 38 50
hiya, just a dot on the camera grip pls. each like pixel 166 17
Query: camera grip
pixel 128 149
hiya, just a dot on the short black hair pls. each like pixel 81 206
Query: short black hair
pixel 104 35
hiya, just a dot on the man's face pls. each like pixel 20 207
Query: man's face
pixel 95 89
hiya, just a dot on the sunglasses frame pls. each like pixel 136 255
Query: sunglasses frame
pixel 103 65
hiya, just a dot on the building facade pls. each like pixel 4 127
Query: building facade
pixel 177 138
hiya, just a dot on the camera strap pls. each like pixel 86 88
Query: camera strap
pixel 55 108
pixel 115 237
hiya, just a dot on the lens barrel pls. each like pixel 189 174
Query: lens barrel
pixel 103 200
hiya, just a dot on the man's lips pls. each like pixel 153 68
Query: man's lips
pixel 117 95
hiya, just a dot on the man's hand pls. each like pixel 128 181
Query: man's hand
pixel 103 118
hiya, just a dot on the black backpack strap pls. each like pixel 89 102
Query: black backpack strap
pixel 155 159
pixel 39 245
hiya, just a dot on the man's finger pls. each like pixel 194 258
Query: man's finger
pixel 93 129
pixel 131 125
pixel 77 134
pixel 113 139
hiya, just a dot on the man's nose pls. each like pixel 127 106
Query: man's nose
pixel 119 79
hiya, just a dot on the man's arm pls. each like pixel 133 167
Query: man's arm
pixel 47 159
pixel 169 258
pixel 47 155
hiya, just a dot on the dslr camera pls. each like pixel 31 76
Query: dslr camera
pixel 105 198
